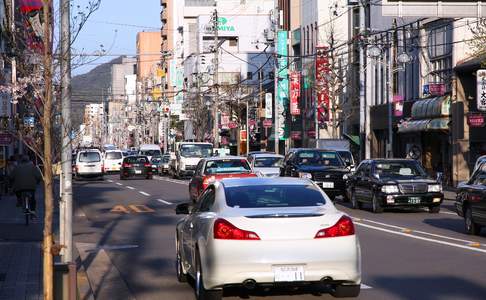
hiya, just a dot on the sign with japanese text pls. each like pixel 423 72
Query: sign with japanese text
pixel 322 72
pixel 476 120
pixel 481 90
pixel 282 95
pixel 268 105
pixel 294 93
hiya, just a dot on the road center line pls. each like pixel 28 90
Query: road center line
pixel 421 238
pixel 165 202
pixel 409 230
pixel 448 213
pixel 119 184
pixel 143 193
pixel 109 180
pixel 130 187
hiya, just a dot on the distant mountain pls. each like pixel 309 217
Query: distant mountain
pixel 89 87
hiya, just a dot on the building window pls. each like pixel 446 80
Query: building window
pixel 249 75
pixel 439 47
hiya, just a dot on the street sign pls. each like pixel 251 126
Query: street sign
pixel 476 120
pixel 481 90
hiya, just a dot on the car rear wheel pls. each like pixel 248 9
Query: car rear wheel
pixel 471 227
pixel 376 205
pixel 344 291
pixel 355 204
pixel 434 209
pixel 201 292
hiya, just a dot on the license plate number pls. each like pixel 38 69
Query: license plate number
pixel 328 185
pixel 288 273
pixel 414 200
pixel 138 172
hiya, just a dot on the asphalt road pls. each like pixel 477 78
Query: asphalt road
pixel 124 231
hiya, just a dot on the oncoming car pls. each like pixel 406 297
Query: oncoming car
pixel 253 232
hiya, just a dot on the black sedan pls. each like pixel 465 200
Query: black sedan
pixel 325 167
pixel 394 183
pixel 136 166
pixel 471 201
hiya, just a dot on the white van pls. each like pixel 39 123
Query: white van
pixel 150 150
pixel 89 163
pixel 113 160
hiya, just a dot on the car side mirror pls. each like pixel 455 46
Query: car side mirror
pixel 439 177
pixel 182 209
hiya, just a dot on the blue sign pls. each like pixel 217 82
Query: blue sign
pixel 282 94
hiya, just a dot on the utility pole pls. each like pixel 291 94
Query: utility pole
pixel 276 111
pixel 66 209
pixel 364 142
pixel 391 60
pixel 215 78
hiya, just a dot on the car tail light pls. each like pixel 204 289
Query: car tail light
pixel 102 169
pixel 224 230
pixel 127 165
pixel 147 165
pixel 207 181
pixel 343 227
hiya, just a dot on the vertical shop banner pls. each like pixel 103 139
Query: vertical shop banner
pixel 398 105
pixel 322 93
pixel 173 72
pixel 282 94
pixel 481 90
pixel 294 93
pixel 268 105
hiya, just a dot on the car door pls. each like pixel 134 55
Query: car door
pixel 356 181
pixel 477 197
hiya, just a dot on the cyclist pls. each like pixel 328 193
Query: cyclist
pixel 25 178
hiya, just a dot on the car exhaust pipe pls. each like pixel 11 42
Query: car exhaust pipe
pixel 249 284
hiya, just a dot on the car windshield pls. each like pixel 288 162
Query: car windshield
pixel 150 152
pixel 196 150
pixel 262 196
pixel 319 158
pixel 398 169
pixel 136 160
pixel 268 162
pixel 156 160
pixel 165 159
pixel 346 156
pixel 114 155
pixel 89 157
pixel 225 166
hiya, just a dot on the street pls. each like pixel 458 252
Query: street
pixel 124 233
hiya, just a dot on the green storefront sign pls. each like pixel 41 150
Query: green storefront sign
pixel 224 26
pixel 282 93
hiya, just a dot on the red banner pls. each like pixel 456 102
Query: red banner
pixel 322 73
pixel 294 93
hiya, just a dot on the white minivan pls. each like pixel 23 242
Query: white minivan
pixel 150 150
pixel 89 163
pixel 113 160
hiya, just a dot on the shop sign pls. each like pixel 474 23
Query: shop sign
pixel 268 105
pixel 224 26
pixel 243 135
pixel 251 122
pixel 322 71
pixel 232 125
pixel 225 120
pixel 267 123
pixel 5 139
pixel 434 89
pixel 282 95
pixel 296 135
pixel 481 90
pixel 311 133
pixel 476 120
pixel 398 105
pixel 294 93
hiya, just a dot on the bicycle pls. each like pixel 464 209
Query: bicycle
pixel 27 198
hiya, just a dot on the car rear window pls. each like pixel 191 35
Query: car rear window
pixel 136 160
pixel 261 196
pixel 227 166
pixel 89 157
pixel 114 155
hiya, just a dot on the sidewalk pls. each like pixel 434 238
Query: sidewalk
pixel 21 253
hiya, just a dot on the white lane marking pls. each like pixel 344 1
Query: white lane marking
pixel 165 202
pixel 410 230
pixel 448 213
pixel 171 180
pixel 143 193
pixel 365 287
pixel 109 180
pixel 119 184
pixel 130 187
pixel 421 238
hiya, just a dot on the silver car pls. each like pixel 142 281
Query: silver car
pixel 265 231
pixel 266 164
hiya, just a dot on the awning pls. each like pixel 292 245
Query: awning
pixel 352 138
pixel 426 125
pixel 431 108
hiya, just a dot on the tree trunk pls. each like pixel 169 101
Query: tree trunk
pixel 46 124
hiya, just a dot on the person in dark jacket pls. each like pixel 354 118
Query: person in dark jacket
pixel 25 178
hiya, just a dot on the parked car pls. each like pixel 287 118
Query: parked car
pixel 325 167
pixel 266 164
pixel 211 169
pixel 113 160
pixel 252 232
pixel 156 161
pixel 394 183
pixel 471 201
pixel 89 163
pixel 150 150
pixel 479 162
pixel 136 166
pixel 164 164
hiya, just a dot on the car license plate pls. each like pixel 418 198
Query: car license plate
pixel 138 172
pixel 328 185
pixel 288 273
pixel 414 200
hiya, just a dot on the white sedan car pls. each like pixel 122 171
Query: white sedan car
pixel 261 231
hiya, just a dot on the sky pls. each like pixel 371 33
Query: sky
pixel 115 25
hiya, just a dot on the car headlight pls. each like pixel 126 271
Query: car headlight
pixel 154 166
pixel 434 188
pixel 389 189
pixel 305 175
pixel 345 177
pixel 182 166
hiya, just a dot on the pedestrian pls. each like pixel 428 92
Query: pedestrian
pixel 25 177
